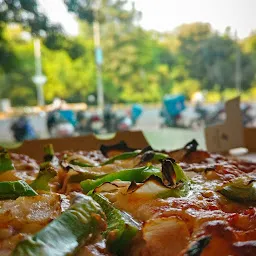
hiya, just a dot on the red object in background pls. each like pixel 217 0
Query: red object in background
pixel 95 118
pixel 123 127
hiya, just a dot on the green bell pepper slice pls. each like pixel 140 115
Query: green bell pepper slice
pixel 77 162
pixel 136 174
pixel 42 180
pixel 5 161
pixel 14 189
pixel 81 223
pixel 238 191
pixel 121 227
pixel 123 156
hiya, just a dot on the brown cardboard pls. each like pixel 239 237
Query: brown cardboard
pixel 250 139
pixel 231 134
pixel 34 148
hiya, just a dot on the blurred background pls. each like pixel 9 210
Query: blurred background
pixel 72 67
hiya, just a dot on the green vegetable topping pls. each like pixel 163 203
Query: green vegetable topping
pixel 42 180
pixel 49 158
pixel 197 248
pixel 48 153
pixel 239 191
pixel 78 225
pixel 172 173
pixel 14 189
pixel 121 227
pixel 77 162
pixel 5 161
pixel 136 174
pixel 123 156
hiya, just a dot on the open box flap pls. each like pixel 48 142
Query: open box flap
pixel 223 137
pixel 250 139
pixel 231 134
pixel 34 148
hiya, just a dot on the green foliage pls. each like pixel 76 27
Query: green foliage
pixel 27 14
pixel 70 79
pixel 103 11
pixel 139 66
pixel 187 87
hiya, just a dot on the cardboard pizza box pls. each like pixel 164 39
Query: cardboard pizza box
pixel 231 134
pixel 34 148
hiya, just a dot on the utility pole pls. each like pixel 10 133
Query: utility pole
pixel 39 79
pixel 98 55
pixel 238 75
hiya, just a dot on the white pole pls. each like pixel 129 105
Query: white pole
pixel 37 54
pixel 39 79
pixel 98 57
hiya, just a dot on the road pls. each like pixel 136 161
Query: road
pixel 149 123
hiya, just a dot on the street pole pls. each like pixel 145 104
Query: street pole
pixel 238 75
pixel 98 57
pixel 39 79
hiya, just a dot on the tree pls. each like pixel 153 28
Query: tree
pixel 17 84
pixel 70 78
pixel 248 46
pixel 27 14
pixel 211 58
pixel 108 11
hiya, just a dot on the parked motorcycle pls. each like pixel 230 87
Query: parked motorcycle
pixel 205 117
pixel 248 117
pixel 58 125
pixel 115 122
pixel 88 123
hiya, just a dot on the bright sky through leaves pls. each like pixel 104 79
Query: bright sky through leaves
pixel 164 15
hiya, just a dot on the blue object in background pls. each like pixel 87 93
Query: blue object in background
pixel 136 112
pixel 99 56
pixel 68 115
pixel 174 104
pixel 30 132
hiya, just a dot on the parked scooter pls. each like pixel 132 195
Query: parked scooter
pixel 135 113
pixel 23 130
pixel 173 105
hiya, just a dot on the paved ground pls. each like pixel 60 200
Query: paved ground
pixel 149 122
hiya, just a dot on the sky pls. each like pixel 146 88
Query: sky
pixel 166 15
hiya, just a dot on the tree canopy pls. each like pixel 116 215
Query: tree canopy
pixel 139 65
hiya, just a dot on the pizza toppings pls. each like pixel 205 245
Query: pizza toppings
pixel 123 156
pixel 163 237
pixel 43 178
pixel 78 225
pixel 5 161
pixel 240 190
pixel 198 246
pixel 142 202
pixel 121 228
pixel 116 149
pixel 14 189
pixel 135 174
